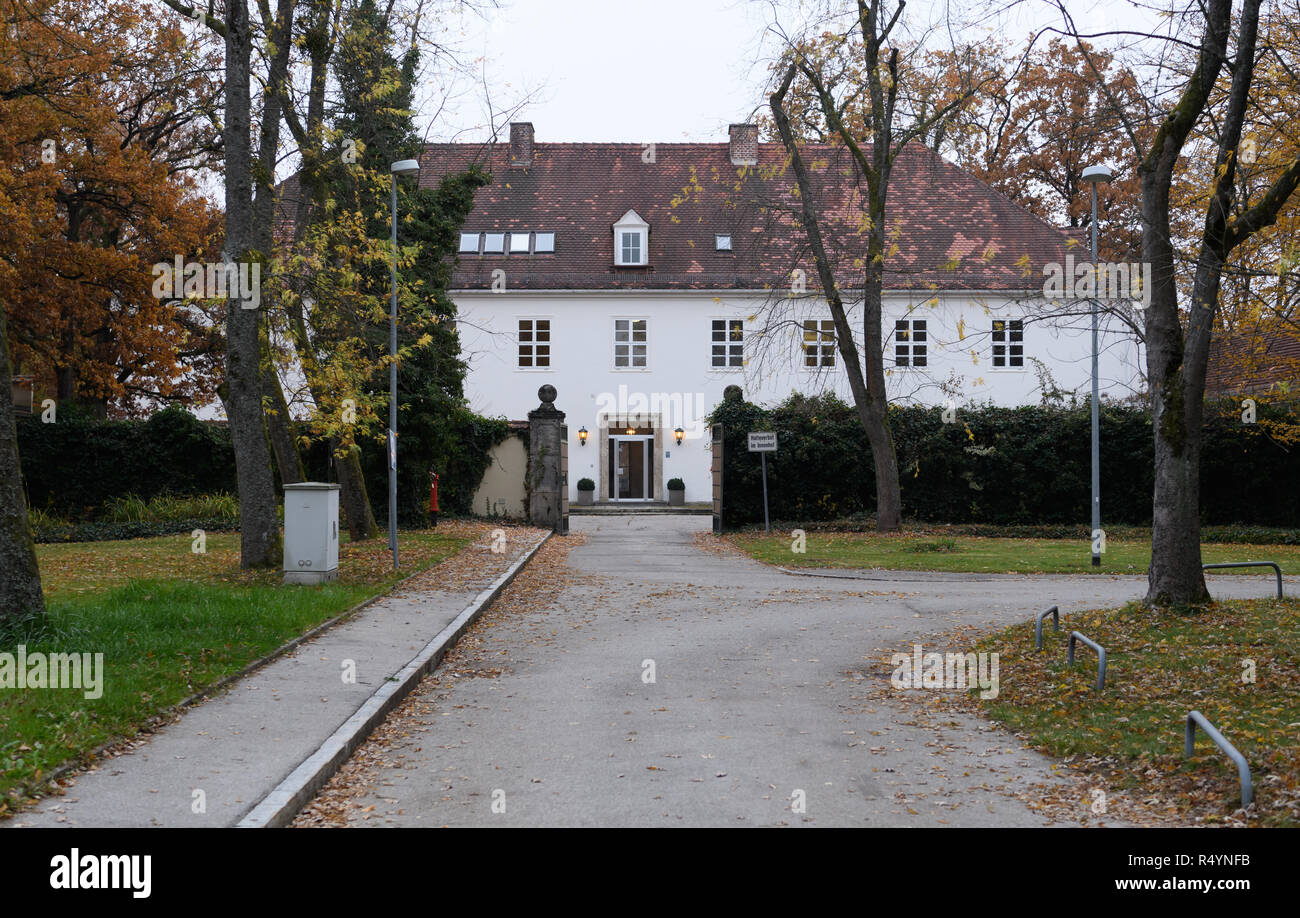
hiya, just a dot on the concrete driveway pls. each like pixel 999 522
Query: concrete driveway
pixel 766 705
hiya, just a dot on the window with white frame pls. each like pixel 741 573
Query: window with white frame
pixel 728 343
pixel 722 242
pixel 494 243
pixel 534 344
pixel 519 243
pixel 631 240
pixel 910 343
pixel 630 340
pixel 469 242
pixel 545 243
pixel 818 343
pixel 1008 343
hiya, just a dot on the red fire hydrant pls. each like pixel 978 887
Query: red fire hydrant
pixel 433 496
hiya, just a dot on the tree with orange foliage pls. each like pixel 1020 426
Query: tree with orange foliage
pixel 109 190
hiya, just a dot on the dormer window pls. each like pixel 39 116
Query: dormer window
pixel 631 240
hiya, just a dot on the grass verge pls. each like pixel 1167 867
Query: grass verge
pixel 169 623
pixel 1234 661
pixel 969 554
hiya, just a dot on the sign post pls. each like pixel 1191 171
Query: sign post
pixel 763 442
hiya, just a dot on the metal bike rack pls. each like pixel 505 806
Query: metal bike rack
pixel 1101 656
pixel 1243 770
pixel 1273 564
pixel 1038 625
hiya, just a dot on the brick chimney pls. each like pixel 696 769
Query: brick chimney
pixel 744 144
pixel 521 143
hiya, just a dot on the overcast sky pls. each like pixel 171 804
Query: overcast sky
pixel 663 70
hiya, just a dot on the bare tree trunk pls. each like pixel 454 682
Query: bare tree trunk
pixel 287 459
pixel 868 389
pixel 1176 362
pixel 20 578
pixel 353 497
pixel 259 526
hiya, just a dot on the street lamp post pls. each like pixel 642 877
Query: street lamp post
pixel 1094 175
pixel 398 169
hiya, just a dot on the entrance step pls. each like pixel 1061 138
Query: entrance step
pixel 608 508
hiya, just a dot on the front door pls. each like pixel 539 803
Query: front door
pixel 629 468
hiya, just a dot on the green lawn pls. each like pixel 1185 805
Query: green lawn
pixel 970 554
pixel 168 622
pixel 1161 665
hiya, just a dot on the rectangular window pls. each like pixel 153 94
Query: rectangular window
pixel 534 343
pixel 545 243
pixel 722 242
pixel 630 342
pixel 469 243
pixel 518 243
pixel 728 343
pixel 818 343
pixel 910 343
pixel 630 248
pixel 1008 343
pixel 494 243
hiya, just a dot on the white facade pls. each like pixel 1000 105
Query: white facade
pixel 636 365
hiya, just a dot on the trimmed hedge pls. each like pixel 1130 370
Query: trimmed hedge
pixel 108 532
pixel 1003 466
pixel 72 468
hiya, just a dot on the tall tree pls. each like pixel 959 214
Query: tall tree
pixel 1215 97
pixel 249 216
pixel 854 79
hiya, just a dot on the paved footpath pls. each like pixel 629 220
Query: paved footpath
pixel 238 746
pixel 766 691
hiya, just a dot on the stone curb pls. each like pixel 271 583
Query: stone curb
pixel 169 714
pixel 278 808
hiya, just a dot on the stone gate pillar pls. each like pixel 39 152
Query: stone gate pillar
pixel 547 489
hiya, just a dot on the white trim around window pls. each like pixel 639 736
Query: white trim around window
pixel 631 344
pixel 631 241
pixel 1007 345
pixel 726 344
pixel 533 342
pixel 911 344
pixel 817 349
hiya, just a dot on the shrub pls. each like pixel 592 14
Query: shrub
pixel 676 484
pixel 942 546
pixel 171 507
pixel 586 484
pixel 1026 466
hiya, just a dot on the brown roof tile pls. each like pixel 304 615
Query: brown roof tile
pixel 949 231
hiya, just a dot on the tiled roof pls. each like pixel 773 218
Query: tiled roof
pixel 948 230
pixel 1252 364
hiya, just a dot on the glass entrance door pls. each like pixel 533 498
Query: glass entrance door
pixel 629 468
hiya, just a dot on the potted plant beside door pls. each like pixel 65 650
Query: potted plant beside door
pixel 586 490
pixel 676 492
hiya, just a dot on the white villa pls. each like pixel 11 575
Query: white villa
pixel 640 280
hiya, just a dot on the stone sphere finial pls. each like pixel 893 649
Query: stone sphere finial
pixel 547 394
pixel 732 393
